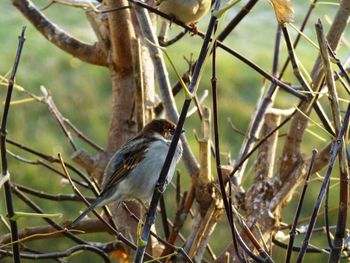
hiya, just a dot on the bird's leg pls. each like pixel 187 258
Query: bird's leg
pixel 194 29
pixel 160 188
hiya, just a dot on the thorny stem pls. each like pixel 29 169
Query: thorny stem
pixel 5 173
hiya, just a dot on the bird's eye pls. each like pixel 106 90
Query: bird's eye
pixel 172 131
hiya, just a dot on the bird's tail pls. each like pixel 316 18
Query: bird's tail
pixel 88 210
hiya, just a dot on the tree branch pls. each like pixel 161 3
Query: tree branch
pixel 89 53
pixel 47 231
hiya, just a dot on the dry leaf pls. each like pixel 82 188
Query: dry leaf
pixel 284 10
pixel 120 256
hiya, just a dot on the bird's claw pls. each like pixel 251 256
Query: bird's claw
pixel 160 187
pixel 194 28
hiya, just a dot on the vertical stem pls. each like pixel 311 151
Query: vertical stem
pixel 5 173
pixel 159 189
pixel 297 213
pixel 256 122
pixel 217 156
pixel 237 19
pixel 338 243
pixel 335 149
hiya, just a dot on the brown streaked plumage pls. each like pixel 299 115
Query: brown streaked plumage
pixel 133 170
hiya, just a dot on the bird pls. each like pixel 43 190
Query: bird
pixel 187 11
pixel 133 171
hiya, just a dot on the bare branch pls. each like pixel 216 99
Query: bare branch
pixel 165 88
pixel 338 243
pixel 4 165
pixel 291 151
pixel 47 231
pixel 89 53
pixel 67 253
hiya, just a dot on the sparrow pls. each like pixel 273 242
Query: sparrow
pixel 187 11
pixel 133 171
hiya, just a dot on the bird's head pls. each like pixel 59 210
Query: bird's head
pixel 163 127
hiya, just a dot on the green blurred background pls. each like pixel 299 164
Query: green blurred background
pixel 82 94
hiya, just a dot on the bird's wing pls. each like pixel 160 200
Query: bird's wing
pixel 124 160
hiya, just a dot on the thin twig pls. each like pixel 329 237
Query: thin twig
pixel 335 149
pixel 57 115
pixel 237 19
pixel 44 164
pixel 310 248
pixel 266 257
pixel 53 159
pixel 92 54
pixel 82 136
pixel 238 165
pixel 231 51
pixel 52 197
pixel 181 214
pixel 69 252
pixel 317 106
pixel 163 174
pixel 164 217
pixel 338 243
pixel 343 71
pixel 292 232
pixel 37 209
pixel 3 132
pixel 267 100
pixel 228 208
pixel 76 190
pixel 257 119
